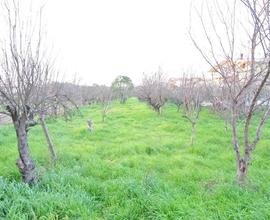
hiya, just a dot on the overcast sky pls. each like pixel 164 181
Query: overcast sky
pixel 100 39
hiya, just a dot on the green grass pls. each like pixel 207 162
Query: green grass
pixel 136 165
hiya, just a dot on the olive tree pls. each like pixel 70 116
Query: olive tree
pixel 122 86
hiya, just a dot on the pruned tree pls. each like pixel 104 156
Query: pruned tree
pixel 191 92
pixel 24 72
pixel 55 95
pixel 246 79
pixel 104 99
pixel 27 83
pixel 122 86
pixel 67 99
pixel 89 94
pixel 217 97
pixel 154 90
pixel 175 92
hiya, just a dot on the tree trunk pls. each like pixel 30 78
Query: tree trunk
pixel 226 125
pixel 103 115
pixel 159 111
pixel 241 171
pixel 48 138
pixel 24 162
pixel 55 110
pixel 192 134
pixel 123 100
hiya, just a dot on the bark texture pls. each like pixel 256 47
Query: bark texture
pixel 241 171
pixel 193 133
pixel 24 162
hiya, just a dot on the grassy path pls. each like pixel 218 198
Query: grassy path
pixel 136 165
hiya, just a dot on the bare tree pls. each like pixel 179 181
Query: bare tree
pixel 89 94
pixel 104 99
pixel 175 92
pixel 188 92
pixel 154 90
pixel 67 98
pixel 217 95
pixel 246 80
pixel 55 95
pixel 191 94
pixel 24 71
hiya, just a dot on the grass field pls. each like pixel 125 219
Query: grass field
pixel 136 165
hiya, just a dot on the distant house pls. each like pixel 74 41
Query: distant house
pixel 177 82
pixel 240 68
